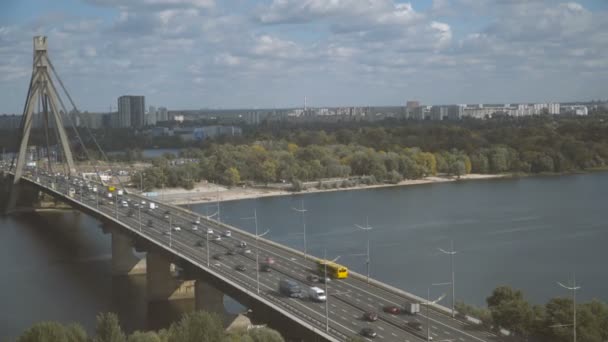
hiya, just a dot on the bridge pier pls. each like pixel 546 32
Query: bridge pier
pixel 161 282
pixel 208 298
pixel 124 262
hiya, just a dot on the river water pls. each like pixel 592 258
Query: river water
pixel 528 233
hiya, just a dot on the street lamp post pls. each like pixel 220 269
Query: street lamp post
pixel 170 229
pixel 257 247
pixel 368 260
pixel 325 282
pixel 141 182
pixel 451 253
pixel 139 206
pixel 572 288
pixel 116 205
pixel 207 245
pixel 303 211
pixel 428 308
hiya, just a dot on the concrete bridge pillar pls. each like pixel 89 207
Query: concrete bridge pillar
pixel 160 280
pixel 208 298
pixel 123 260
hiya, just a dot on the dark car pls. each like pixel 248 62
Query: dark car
pixel 150 223
pixel 217 256
pixel 324 280
pixel 313 278
pixel 241 268
pixel 368 332
pixel 231 252
pixel 370 316
pixel 415 325
pixel 200 243
pixel 265 268
pixel 392 309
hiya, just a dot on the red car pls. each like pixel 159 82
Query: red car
pixel 392 309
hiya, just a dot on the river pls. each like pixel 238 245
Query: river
pixel 528 233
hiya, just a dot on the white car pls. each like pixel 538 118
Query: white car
pixel 125 204
pixel 227 233
pixel 194 227
pixel 197 221
pixel 209 231
pixel 177 229
pixel 143 202
pixel 216 238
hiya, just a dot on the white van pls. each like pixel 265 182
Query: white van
pixel 316 294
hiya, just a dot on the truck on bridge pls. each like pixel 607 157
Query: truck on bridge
pixel 290 288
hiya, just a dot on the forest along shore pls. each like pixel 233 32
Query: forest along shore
pixel 207 192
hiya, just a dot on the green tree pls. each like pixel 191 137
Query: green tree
pixel 53 332
pixel 265 335
pixel 197 327
pixel 510 311
pixel 269 171
pixel 108 328
pixel 231 176
pixel 148 336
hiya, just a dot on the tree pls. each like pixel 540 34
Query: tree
pixel 457 168
pixel 148 336
pixel 265 335
pixel 394 177
pixel 108 329
pixel 197 327
pixel 231 176
pixel 269 171
pixel 53 332
pixel 510 311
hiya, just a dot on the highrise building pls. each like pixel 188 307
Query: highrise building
pixel 131 112
pixel 162 114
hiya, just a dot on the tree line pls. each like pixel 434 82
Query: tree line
pixel 192 327
pixel 553 322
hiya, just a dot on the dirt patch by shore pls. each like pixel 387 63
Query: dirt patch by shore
pixel 207 192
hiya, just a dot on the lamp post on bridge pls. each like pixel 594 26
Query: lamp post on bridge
pixel 325 283
pixel 170 229
pixel 367 228
pixel 451 253
pixel 428 307
pixel 116 205
pixel 572 288
pixel 303 211
pixel 257 248
pixel 139 207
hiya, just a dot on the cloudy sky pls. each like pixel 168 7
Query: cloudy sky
pixel 271 53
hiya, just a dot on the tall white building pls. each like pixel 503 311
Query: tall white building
pixel 553 108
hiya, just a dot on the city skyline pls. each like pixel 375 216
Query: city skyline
pixel 273 54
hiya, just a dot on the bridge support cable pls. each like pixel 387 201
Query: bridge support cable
pixel 77 111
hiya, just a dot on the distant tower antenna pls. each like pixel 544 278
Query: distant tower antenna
pixel 305 103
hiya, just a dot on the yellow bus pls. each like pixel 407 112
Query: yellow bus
pixel 333 270
pixel 111 188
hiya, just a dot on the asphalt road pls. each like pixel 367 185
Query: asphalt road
pixel 348 299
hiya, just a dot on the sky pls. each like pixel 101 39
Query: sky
pixel 191 54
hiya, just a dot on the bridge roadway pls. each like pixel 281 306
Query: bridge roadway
pixel 348 298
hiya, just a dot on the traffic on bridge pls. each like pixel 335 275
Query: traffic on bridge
pixel 325 296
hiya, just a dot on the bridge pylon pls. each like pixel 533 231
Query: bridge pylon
pixel 42 91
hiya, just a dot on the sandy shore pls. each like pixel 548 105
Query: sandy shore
pixel 206 192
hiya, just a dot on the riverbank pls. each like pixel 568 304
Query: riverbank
pixel 206 192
